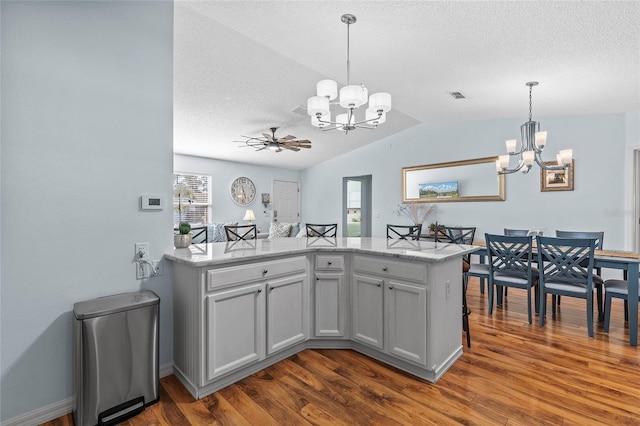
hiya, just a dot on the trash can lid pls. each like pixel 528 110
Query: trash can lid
pixel 115 303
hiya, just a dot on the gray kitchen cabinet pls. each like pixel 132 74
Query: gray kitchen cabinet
pixel 329 297
pixel 286 312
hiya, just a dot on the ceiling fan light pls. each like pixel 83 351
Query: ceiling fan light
pixel 351 96
pixel 327 89
pixel 273 146
pixel 317 104
pixel 373 116
pixel 325 117
pixel 380 100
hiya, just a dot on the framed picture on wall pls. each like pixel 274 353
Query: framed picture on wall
pixel 556 180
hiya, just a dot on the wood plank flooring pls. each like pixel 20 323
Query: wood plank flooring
pixel 514 374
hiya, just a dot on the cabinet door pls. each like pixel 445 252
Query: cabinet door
pixel 367 310
pixel 407 321
pixel 234 329
pixel 286 312
pixel 330 305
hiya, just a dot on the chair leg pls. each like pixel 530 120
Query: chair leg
pixel 529 305
pixel 465 311
pixel 626 310
pixel 600 303
pixel 558 299
pixel 590 315
pixel 553 303
pixel 537 299
pixel 490 291
pixel 481 285
pixel 543 307
pixel 607 312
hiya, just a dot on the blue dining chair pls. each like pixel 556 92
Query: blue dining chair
pixel 597 280
pixel 566 270
pixel 620 290
pixel 510 265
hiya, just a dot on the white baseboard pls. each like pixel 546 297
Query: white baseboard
pixel 44 414
pixel 61 408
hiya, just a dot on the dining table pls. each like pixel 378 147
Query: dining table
pixel 612 259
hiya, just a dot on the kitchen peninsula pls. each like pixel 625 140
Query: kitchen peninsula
pixel 241 306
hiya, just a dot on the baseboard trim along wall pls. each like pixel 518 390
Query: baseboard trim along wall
pixel 61 408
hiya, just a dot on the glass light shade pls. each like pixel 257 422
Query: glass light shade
pixel 364 94
pixel 249 215
pixel 511 146
pixel 317 104
pixel 351 96
pixel 327 89
pixel 342 119
pixel 325 117
pixel 541 139
pixel 558 159
pixel 498 166
pixel 504 161
pixel 528 156
pixel 566 155
pixel 373 116
pixel 381 100
pixel 273 147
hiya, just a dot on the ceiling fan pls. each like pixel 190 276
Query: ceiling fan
pixel 269 141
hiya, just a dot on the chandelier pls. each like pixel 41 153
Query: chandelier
pixel 532 143
pixel 352 97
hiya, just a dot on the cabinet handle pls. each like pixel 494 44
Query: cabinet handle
pixel 265 272
pixel 379 284
pixel 317 278
pixel 329 263
pixel 259 290
pixel 271 287
pixel 385 269
pixel 390 287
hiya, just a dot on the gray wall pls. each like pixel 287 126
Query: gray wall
pixel 223 173
pixel 600 143
pixel 86 129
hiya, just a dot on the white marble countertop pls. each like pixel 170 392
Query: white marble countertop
pixel 216 254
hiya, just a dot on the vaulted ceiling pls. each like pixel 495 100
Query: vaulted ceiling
pixel 241 67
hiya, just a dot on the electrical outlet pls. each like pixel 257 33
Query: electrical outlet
pixel 448 289
pixel 159 267
pixel 142 271
pixel 142 250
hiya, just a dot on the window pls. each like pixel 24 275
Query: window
pixel 198 211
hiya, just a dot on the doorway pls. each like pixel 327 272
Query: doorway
pixel 356 206
pixel 286 202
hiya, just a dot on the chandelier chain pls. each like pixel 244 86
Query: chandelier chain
pixel 530 89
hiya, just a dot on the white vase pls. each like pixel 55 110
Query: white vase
pixel 181 240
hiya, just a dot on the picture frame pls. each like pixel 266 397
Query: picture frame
pixel 557 180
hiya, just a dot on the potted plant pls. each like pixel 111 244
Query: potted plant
pixel 184 194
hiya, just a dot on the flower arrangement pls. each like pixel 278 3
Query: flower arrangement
pixel 184 194
pixel 417 212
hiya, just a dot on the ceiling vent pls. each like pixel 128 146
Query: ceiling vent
pixel 457 95
pixel 299 110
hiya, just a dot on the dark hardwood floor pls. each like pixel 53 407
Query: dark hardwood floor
pixel 514 374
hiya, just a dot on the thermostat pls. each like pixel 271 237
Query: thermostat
pixel 151 202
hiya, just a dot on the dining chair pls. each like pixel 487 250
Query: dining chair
pixel 566 270
pixel 460 235
pixel 241 232
pixel 597 279
pixel 321 230
pixel 404 232
pixel 620 290
pixel 199 234
pixel 510 265
pixel 516 232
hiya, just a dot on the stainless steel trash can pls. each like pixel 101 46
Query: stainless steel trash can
pixel 116 357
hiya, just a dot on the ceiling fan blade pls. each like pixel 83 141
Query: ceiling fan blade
pixel 268 137
pixel 287 138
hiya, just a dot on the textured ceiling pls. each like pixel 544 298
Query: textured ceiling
pixel 242 67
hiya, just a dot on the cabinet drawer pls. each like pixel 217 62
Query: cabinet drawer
pixel 255 271
pixel 335 263
pixel 390 268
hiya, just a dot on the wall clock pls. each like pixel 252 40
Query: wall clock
pixel 243 191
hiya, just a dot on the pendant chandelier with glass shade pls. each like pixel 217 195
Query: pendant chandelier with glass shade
pixel 352 97
pixel 532 143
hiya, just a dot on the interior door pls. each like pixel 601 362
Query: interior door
pixel 286 202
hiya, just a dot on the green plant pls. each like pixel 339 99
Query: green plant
pixel 184 228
